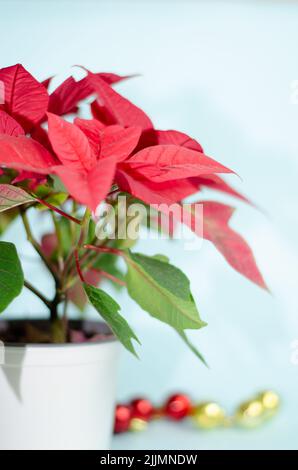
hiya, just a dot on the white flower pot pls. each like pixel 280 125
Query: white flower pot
pixel 58 396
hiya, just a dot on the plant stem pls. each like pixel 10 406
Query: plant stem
pixel 78 266
pixel 105 249
pixel 72 224
pixel 54 306
pixel 59 240
pixel 85 227
pixel 59 295
pixel 83 233
pixel 37 247
pixel 38 294
pixel 59 211
pixel 111 277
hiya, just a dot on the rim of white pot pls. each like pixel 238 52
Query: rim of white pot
pixel 96 326
pixel 59 355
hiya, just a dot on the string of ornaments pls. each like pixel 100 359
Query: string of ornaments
pixel 136 415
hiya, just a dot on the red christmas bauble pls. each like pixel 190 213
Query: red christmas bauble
pixel 178 406
pixel 142 408
pixel 122 418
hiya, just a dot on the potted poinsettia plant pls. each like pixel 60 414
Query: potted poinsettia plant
pixel 57 377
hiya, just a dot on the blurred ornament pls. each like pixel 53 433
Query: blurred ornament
pixel 250 413
pixel 270 401
pixel 208 415
pixel 142 408
pixel 137 425
pixel 158 413
pixel 178 407
pixel 122 418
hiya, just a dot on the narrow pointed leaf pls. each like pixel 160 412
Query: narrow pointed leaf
pixel 162 163
pixel 70 144
pixel 124 112
pixel 67 96
pixel 168 192
pixel 111 141
pixel 119 142
pixel 191 346
pixel 92 129
pixel 231 245
pixel 172 137
pixel 109 310
pixel 216 229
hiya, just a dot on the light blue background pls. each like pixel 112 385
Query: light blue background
pixel 222 72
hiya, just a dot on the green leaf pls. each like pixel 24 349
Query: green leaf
pixel 12 196
pixel 192 347
pixel 11 274
pixel 162 290
pixel 109 310
pixel 160 257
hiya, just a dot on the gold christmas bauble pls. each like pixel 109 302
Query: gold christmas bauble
pixel 208 415
pixel 250 413
pixel 270 401
pixel 137 425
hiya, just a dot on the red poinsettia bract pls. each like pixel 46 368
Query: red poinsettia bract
pixel 117 146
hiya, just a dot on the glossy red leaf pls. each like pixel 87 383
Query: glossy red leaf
pixel 154 193
pixel 112 78
pixel 109 141
pixel 25 98
pixel 9 126
pixel 231 245
pixel 25 153
pixel 172 137
pixel 46 82
pixel 102 114
pixel 66 97
pixel 216 229
pixel 70 143
pixel 41 135
pixel 92 129
pixel 89 187
pixel 119 142
pixel 123 111
pixel 170 162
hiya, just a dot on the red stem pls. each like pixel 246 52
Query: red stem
pixel 76 254
pixel 59 211
pixel 105 249
pixel 110 276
